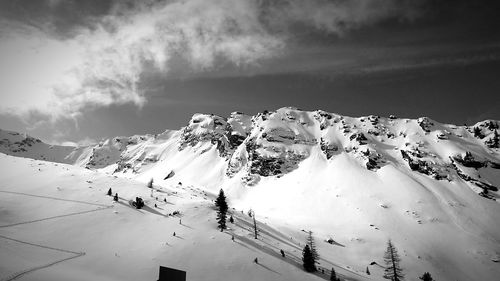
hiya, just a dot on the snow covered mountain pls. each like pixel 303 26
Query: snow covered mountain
pixel 430 187
pixel 273 144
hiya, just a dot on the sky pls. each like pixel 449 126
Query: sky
pixel 75 72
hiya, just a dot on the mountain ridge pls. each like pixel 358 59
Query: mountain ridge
pixel 358 180
pixel 275 143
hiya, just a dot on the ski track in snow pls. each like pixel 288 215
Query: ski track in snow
pixel 54 217
pixel 19 274
pixel 54 198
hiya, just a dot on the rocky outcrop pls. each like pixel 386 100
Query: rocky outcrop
pixel 434 170
pixel 425 123
pixel 329 149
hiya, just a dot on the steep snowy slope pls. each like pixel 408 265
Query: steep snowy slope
pixel 57 223
pixel 430 187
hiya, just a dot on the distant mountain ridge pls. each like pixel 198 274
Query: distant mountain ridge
pixel 272 144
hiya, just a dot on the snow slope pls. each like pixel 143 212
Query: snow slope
pixel 430 187
pixel 57 223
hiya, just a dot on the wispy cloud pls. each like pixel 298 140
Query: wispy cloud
pixel 428 63
pixel 103 64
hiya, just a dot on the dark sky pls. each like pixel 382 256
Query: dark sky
pixel 84 70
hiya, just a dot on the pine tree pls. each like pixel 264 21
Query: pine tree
pixel 254 226
pixel 312 246
pixel 222 208
pixel 333 276
pixel 221 202
pixel 150 183
pixel 393 270
pixel 221 220
pixel 110 193
pixel 308 259
pixel 426 277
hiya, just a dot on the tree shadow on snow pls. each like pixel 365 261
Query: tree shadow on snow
pixel 335 243
pixel 153 211
pixel 270 269
pixel 244 245
pixel 187 226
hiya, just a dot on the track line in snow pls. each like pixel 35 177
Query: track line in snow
pixel 40 246
pixel 101 207
pixel 55 217
pixel 74 254
pixel 19 274
pixel 53 198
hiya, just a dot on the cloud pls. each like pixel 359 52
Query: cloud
pixel 339 16
pixel 84 142
pixel 434 62
pixel 103 64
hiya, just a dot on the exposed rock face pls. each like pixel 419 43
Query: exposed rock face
pixel 429 168
pixel 226 134
pixel 469 161
pixel 425 123
pixel 374 160
pixel 21 145
pixel 328 149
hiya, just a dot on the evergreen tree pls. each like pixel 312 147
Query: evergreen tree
pixel 393 270
pixel 312 246
pixel 221 220
pixel 254 226
pixel 426 277
pixel 150 183
pixel 222 208
pixel 231 220
pixel 333 276
pixel 308 259
pixel 110 193
pixel 221 202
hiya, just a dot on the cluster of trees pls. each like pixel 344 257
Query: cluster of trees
pixel 392 271
pixel 310 257
pixel 110 193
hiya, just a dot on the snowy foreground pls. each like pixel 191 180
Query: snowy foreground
pixel 58 224
pixel 431 188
